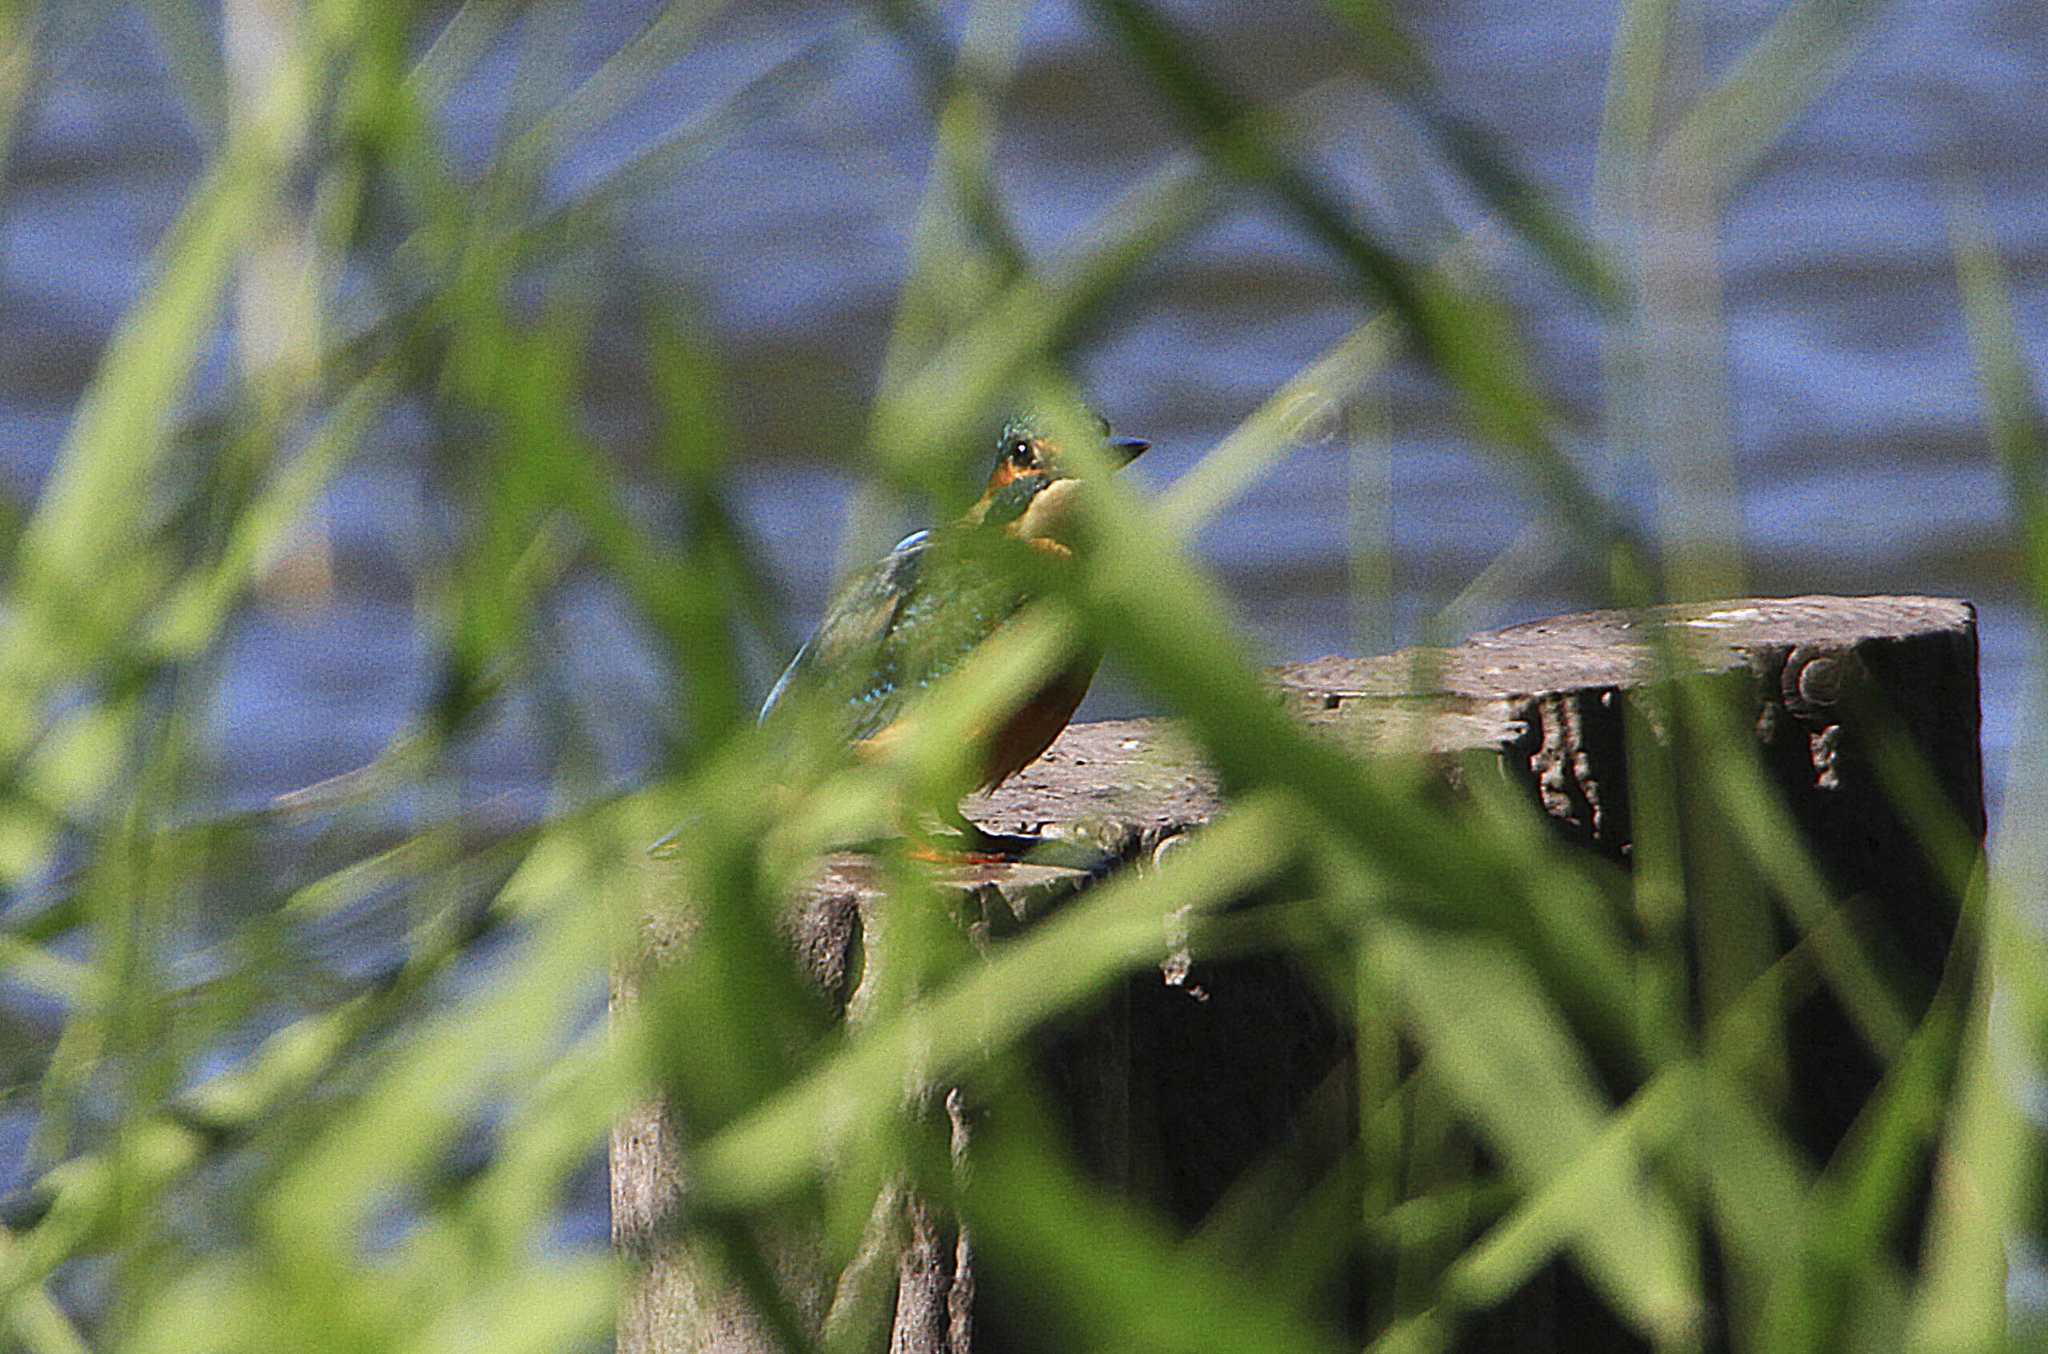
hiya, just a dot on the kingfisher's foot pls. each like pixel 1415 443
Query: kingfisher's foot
pixel 969 843
pixel 993 848
pixel 979 846
pixel 982 844
pixel 950 848
pixel 976 846
pixel 932 853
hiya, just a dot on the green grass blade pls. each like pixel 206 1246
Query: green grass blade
pixel 1515 1068
pixel 1805 50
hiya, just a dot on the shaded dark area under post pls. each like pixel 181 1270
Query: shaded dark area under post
pixel 1184 1080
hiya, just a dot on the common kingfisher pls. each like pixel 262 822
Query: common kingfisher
pixel 916 614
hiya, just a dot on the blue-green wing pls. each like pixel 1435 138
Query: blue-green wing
pixel 896 628
pixel 860 615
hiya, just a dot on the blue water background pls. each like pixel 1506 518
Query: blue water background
pixel 1853 409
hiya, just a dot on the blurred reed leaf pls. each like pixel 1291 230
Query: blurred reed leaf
pixel 777 90
pixel 2012 407
pixel 37 969
pixel 940 408
pixel 1779 854
pixel 662 40
pixel 72 548
pixel 197 62
pixel 1467 337
pixel 1310 399
pixel 1516 1068
pixel 198 608
pixel 1989 1171
pixel 1726 134
pixel 1121 1280
pixel 1989 1176
pixel 18 33
pixel 1648 1260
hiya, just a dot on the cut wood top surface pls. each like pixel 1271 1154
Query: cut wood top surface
pixel 1118 777
pixel 1114 791
pixel 1622 648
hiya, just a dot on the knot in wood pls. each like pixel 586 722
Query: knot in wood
pixel 1818 679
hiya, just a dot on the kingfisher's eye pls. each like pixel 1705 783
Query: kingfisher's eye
pixel 1020 453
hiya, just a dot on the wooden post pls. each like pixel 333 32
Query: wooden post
pixel 1192 1076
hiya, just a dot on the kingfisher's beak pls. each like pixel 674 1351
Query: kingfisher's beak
pixel 1128 449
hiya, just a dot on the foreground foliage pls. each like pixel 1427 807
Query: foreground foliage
pixel 323 1075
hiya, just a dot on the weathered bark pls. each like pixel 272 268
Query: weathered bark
pixel 1183 1083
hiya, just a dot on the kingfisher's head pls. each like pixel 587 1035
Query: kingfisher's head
pixel 1032 484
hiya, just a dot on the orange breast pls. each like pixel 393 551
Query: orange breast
pixel 1031 730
